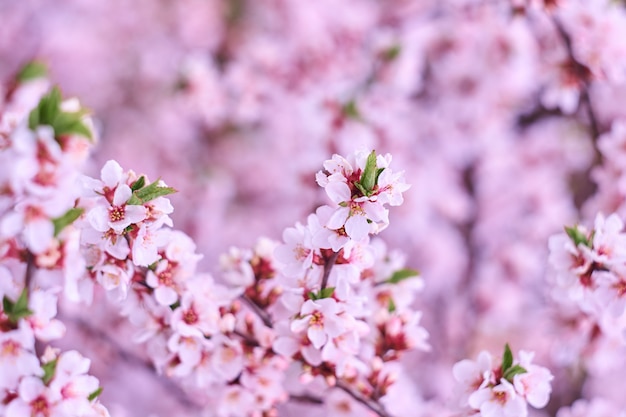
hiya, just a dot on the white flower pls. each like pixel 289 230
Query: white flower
pixel 320 318
pixel 145 246
pixel 499 401
pixel 534 384
pixel 297 251
pixel 117 215
pixel 474 375
pixel 609 241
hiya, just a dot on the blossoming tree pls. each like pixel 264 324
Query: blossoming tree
pixel 506 118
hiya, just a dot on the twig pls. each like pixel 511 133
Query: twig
pixel 328 266
pixel 306 398
pixel 585 186
pixel 582 74
pixel 249 340
pixel 371 404
pixel 30 270
pixel 130 358
pixel 258 311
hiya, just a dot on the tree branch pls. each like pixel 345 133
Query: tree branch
pixel 306 398
pixel 370 404
pixel 258 311
pixel 328 266
pixel 131 359
pixel 585 187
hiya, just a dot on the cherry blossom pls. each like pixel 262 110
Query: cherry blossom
pixel 506 118
pixel 504 390
pixel 321 320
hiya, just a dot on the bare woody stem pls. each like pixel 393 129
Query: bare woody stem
pixel 102 339
pixel 30 270
pixel 370 404
pixel 581 73
pixel 306 399
pixel 328 266
pixel 28 279
pixel 373 405
pixel 258 311
pixel 586 186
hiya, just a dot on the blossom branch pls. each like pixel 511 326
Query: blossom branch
pixel 585 186
pixel 130 358
pixel 328 266
pixel 258 311
pixel 306 399
pixel 374 406
pixel 30 270
pixel 582 74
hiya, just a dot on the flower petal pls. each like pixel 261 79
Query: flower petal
pixel 122 194
pixel 317 336
pixel 111 173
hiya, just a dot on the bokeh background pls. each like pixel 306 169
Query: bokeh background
pixel 505 115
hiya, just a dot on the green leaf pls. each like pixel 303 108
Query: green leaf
pixel 71 124
pixel 50 106
pixel 402 275
pixel 514 370
pixel 22 302
pixel 507 359
pixel 391 53
pixel 95 394
pixel 33 118
pixel 134 201
pixel 326 292
pixel 368 177
pixel 49 369
pixel 323 293
pixel 577 236
pixel 351 110
pixel 17 310
pixel 149 193
pixel 391 306
pixel 31 71
pixel 48 113
pixel 360 188
pixel 7 305
pixel 65 220
pixel 378 172
pixel 20 314
pixel 138 184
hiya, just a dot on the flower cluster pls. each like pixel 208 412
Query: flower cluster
pixel 59 386
pixel 504 390
pixel 345 309
pixel 359 188
pixel 123 228
pixel 590 266
pixel 44 143
pixel 195 329
pixel 329 302
pixel 343 313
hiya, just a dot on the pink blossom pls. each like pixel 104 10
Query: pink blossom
pixel 118 215
pixel 321 320
pixel 17 358
pixel 43 322
pixel 297 251
pixel 474 375
pixel 499 401
pixel 534 384
pixel 145 245
pixel 34 400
